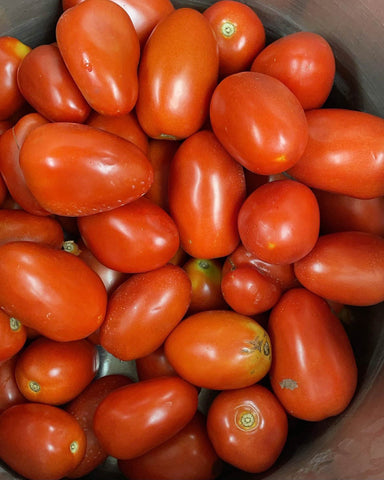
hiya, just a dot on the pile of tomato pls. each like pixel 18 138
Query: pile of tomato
pixel 176 191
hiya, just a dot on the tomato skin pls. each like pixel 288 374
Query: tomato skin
pixel 104 57
pixel 206 190
pixel 248 420
pixel 85 170
pixel 70 300
pixel 9 391
pixel 219 350
pixel 259 121
pixel 40 442
pixel 313 370
pixel 135 238
pixel 304 62
pixel 154 365
pixel 144 310
pixel 188 455
pixel 177 74
pixel 346 267
pixel 164 405
pixel 13 336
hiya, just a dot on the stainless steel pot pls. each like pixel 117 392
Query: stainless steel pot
pixel 350 446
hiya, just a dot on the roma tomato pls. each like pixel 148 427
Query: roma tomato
pixel 304 62
pixel 13 336
pixel 74 169
pixel 239 32
pixel 248 420
pixel 206 190
pixel 134 238
pixel 313 370
pixel 50 290
pixel 144 310
pixel 346 267
pixel 9 391
pixel 177 74
pixel 154 365
pixel 40 442
pixel 280 221
pixel 219 350
pixel 188 455
pixel 259 121
pixel 101 50
pixel 46 84
pixel 55 372
pixel 164 406
pixel 349 153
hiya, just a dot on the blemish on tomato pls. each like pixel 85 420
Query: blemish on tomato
pixel 288 383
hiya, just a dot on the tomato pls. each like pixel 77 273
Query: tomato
pixel 40 442
pixel 5 125
pixel 259 121
pixel 280 221
pixel 313 370
pixel 101 50
pixel 188 455
pixel 239 32
pixel 248 427
pixel 177 74
pixel 206 189
pixel 83 409
pixel 50 290
pixel 219 349
pixel 304 62
pixel 9 391
pixel 13 336
pixel 346 267
pixel 349 153
pixel 74 169
pixel 134 238
pixel 163 405
pixel 154 365
pixel 10 144
pixel 144 310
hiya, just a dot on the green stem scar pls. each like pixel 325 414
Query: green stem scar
pixel 74 446
pixel 14 324
pixel 34 386
pixel 228 29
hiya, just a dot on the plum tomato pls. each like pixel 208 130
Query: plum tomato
pixel 9 391
pixel 13 336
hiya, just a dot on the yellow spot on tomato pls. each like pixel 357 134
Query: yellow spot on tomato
pixel 281 158
pixel 21 49
pixel 271 245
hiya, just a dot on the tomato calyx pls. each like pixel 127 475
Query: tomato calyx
pixel 74 446
pixel 247 418
pixel 228 29
pixel 71 246
pixel 14 324
pixel 34 386
pixel 259 344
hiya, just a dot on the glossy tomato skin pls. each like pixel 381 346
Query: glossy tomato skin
pixel 70 300
pixel 104 57
pixel 188 455
pixel 346 267
pixel 247 420
pixel 206 190
pixel 177 74
pixel 13 336
pixel 154 365
pixel 144 310
pixel 40 442
pixel 219 350
pixel 135 238
pixel 313 370
pixel 304 62
pixel 85 170
pixel 239 32
pixel 259 121
pixel 348 148
pixel 164 406
pixel 46 84
pixel 9 391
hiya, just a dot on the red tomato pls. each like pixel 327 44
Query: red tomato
pixel 12 52
pixel 13 336
pixel 304 62
pixel 280 221
pixel 188 455
pixel 259 121
pixel 154 365
pixel 248 427
pixel 141 236
pixel 101 50
pixel 164 406
pixel 144 310
pixel 50 290
pixel 40 441
pixel 74 169
pixel 349 153
pixel 177 74
pixel 219 349
pixel 346 267
pixel 313 370
pixel 206 190
pixel 9 391
pixel 83 409
pixel 239 32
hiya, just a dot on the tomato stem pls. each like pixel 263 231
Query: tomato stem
pixel 228 29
